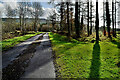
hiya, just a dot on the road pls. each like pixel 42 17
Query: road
pixel 41 65
pixel 10 55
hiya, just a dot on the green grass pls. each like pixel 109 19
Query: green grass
pixel 8 43
pixel 84 59
pixel 118 32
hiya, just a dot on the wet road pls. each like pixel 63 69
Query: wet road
pixel 10 55
pixel 41 65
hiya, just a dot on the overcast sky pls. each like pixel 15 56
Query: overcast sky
pixel 46 7
pixel 49 8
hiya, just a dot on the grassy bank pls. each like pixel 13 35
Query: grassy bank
pixel 8 43
pixel 84 59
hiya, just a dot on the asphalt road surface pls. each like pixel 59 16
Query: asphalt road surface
pixel 11 55
pixel 41 65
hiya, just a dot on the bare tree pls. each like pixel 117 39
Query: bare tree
pixel 36 13
pixel 21 12
pixel 52 18
pixel 10 13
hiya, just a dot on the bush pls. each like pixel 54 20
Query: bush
pixel 46 28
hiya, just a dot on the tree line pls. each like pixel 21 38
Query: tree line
pixel 84 16
pixel 74 18
pixel 24 11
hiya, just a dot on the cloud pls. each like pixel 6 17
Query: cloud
pixel 48 12
pixel 13 5
pixel 1 9
pixel 25 0
pixel 8 0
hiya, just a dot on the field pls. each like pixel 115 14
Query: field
pixel 74 59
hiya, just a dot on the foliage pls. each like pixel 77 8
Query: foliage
pixel 9 27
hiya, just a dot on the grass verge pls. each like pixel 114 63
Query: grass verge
pixel 75 59
pixel 8 43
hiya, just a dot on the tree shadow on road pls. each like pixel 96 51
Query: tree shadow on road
pixel 95 64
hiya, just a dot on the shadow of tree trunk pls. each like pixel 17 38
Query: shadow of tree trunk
pixel 118 45
pixel 95 65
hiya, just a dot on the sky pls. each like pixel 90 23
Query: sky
pixel 46 7
pixel 49 8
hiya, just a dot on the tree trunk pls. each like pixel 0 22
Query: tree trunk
pixel 8 26
pixel 20 23
pixel 71 24
pixel 108 18
pixel 53 25
pixel 79 18
pixel 76 20
pixel 113 18
pixel 104 20
pixel 35 26
pixel 61 9
pixel 97 22
pixel 71 20
pixel 36 19
pixel 68 19
pixel 91 17
pixel 88 18
pixel 23 22
pixel 81 28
